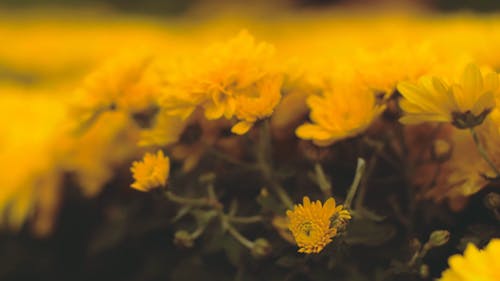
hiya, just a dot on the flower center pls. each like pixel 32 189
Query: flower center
pixel 306 228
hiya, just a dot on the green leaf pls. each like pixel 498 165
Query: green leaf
pixel 367 232
pixel 234 251
pixel 288 261
pixel 269 203
pixel 181 213
pixel 203 217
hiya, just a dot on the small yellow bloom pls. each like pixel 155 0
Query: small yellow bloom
pixel 475 264
pixel 344 112
pixel 313 225
pixel 465 103
pixel 152 172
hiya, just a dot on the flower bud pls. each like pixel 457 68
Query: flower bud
pixel 261 248
pixel 184 239
pixel 492 201
pixel 439 238
pixel 415 245
pixel 207 178
pixel 424 271
pixel 264 192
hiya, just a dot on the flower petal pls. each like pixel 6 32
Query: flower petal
pixel 241 127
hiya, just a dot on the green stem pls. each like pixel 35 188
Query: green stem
pixel 239 237
pixel 229 158
pixel 198 232
pixel 264 162
pixel 245 220
pixel 360 170
pixel 200 202
pixel 420 254
pixel 281 193
pixel 211 192
pixel 323 182
pixel 483 152
pixel 364 181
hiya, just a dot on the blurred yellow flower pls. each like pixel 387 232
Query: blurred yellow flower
pixel 233 78
pixel 166 129
pixel 344 112
pixel 313 225
pixel 126 82
pixel 152 172
pixel 251 108
pixel 93 155
pixel 382 67
pixel 475 264
pixel 29 177
pixel 465 103
pixel 233 67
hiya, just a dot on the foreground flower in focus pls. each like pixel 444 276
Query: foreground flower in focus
pixel 152 172
pixel 465 104
pixel 313 225
pixel 342 113
pixel 475 264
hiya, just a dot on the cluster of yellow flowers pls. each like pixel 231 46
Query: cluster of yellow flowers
pixel 187 101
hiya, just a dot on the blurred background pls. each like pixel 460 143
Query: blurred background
pixel 49 46
pixel 180 7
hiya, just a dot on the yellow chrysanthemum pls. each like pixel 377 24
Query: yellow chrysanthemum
pixel 166 129
pixel 127 83
pixel 344 112
pixel 234 66
pixel 224 77
pixel 92 155
pixel 465 104
pixel 250 108
pixel 381 69
pixel 313 225
pixel 152 172
pixel 475 264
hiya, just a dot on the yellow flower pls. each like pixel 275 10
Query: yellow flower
pixel 475 264
pixel 152 172
pixel 344 112
pixel 382 68
pixel 29 177
pixel 92 155
pixel 166 129
pixel 465 103
pixel 313 225
pixel 250 108
pixel 127 82
pixel 222 77
pixel 234 66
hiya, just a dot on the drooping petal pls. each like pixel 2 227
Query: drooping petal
pixel 241 128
